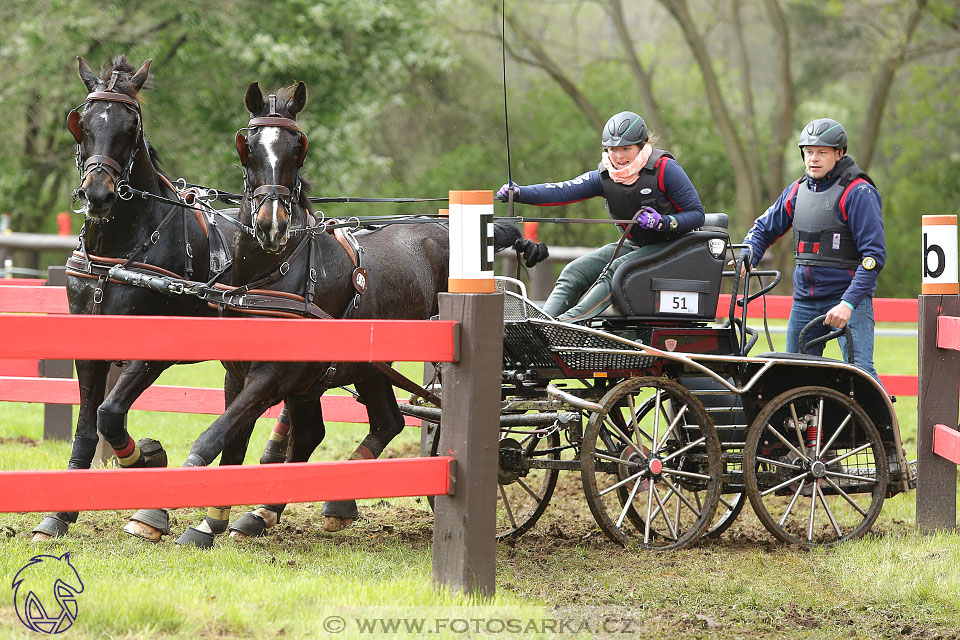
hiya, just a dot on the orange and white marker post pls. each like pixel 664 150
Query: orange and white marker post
pixel 465 524
pixel 471 242
pixel 940 255
pixel 938 434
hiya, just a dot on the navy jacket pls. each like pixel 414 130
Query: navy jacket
pixel 863 216
pixel 679 190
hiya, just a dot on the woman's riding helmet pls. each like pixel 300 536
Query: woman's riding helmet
pixel 622 129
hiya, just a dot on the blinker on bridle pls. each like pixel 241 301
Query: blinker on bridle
pixel 120 174
pixel 271 191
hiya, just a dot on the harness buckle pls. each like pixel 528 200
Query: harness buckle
pixel 284 268
pixel 155 237
pixel 97 295
pixel 313 275
pixel 124 192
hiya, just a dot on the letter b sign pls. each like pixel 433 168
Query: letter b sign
pixel 940 255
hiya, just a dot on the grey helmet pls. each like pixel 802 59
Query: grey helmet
pixel 622 129
pixel 823 132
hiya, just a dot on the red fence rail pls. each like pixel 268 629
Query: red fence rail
pixel 142 337
pixel 104 489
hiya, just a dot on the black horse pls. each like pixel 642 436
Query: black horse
pixel 146 235
pixel 297 267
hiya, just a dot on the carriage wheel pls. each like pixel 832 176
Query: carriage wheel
pixel 524 493
pixel 728 508
pixel 814 467
pixel 652 477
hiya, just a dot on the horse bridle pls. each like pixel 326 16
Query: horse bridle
pixel 119 173
pixel 267 192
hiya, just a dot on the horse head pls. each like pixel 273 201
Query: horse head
pixel 109 132
pixel 272 152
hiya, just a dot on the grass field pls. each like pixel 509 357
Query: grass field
pixel 564 578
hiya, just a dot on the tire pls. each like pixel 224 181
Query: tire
pixel 639 464
pixel 811 467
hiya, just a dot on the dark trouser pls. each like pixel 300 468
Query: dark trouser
pixel 861 325
pixel 578 275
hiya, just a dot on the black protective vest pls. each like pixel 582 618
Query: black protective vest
pixel 624 200
pixel 819 236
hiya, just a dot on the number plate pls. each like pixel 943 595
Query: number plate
pixel 679 302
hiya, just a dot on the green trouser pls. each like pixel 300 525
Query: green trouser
pixel 578 275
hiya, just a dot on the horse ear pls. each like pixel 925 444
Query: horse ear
pixel 140 77
pixel 73 123
pixel 254 98
pixel 242 150
pixel 89 78
pixel 299 98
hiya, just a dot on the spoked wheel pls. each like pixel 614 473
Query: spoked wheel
pixel 728 508
pixel 815 467
pixel 523 491
pixel 651 465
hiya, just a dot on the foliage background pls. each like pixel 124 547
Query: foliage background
pixel 406 97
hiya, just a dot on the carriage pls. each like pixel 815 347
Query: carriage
pixel 671 421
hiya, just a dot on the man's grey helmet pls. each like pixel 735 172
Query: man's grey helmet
pixel 622 129
pixel 823 132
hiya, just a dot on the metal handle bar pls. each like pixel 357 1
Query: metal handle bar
pixel 836 333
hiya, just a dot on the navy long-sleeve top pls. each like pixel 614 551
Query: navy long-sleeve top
pixel 678 189
pixel 814 282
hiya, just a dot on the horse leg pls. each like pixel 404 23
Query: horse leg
pixel 386 422
pixel 218 518
pixel 134 380
pixel 245 403
pixel 92 378
pixel 276 448
pixel 307 417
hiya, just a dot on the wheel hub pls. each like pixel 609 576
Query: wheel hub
pixel 510 465
pixel 818 469
pixel 656 466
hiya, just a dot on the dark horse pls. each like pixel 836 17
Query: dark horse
pixel 144 235
pixel 284 256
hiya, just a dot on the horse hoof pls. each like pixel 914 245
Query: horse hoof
pixel 153 453
pixel 249 525
pixel 195 537
pixel 334 523
pixel 143 531
pixel 49 527
pixel 149 524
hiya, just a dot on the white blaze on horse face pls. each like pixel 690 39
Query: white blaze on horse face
pixel 268 138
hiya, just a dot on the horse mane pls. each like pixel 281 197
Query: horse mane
pixel 120 63
pixel 155 159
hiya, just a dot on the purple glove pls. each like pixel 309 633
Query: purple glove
pixel 648 218
pixel 504 194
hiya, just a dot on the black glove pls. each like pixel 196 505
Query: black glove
pixel 533 252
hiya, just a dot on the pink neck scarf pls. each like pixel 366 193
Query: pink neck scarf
pixel 629 173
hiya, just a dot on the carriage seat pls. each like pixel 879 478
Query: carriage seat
pixel 680 281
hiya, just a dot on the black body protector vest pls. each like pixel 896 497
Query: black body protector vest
pixel 624 200
pixel 819 236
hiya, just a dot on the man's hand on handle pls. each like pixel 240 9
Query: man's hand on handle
pixel 838 316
